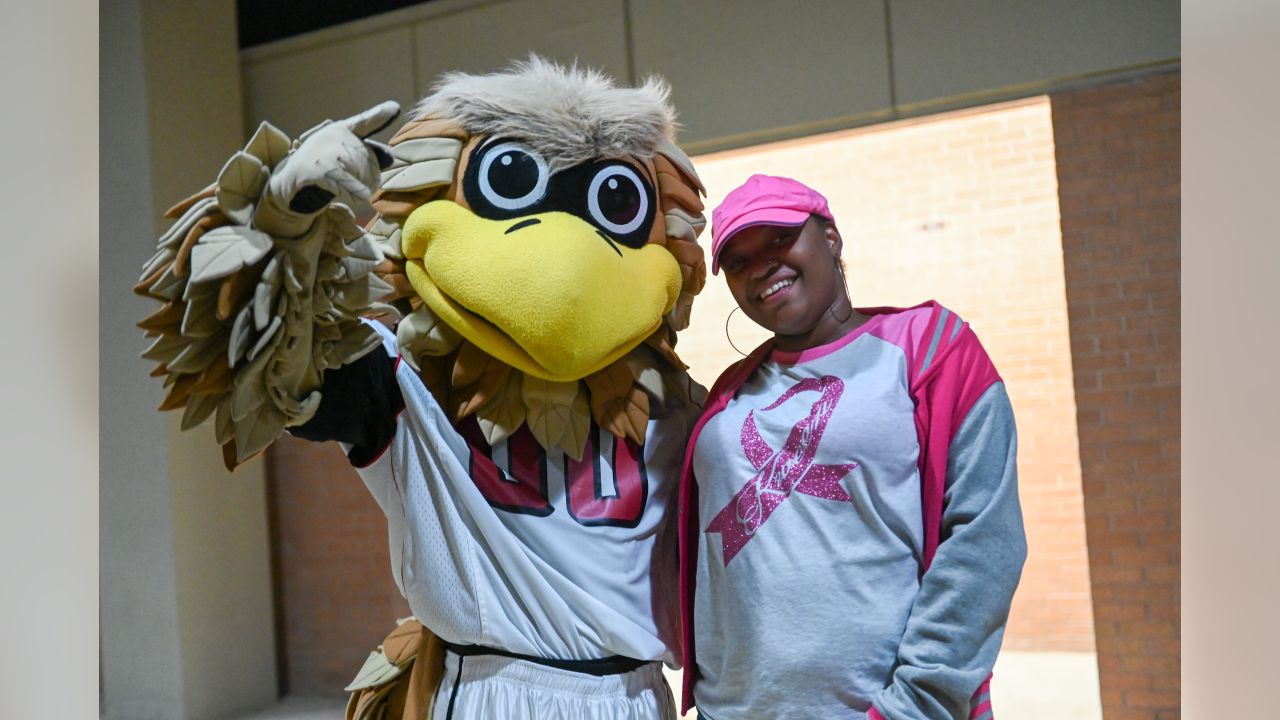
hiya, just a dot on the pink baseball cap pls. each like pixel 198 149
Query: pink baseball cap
pixel 763 200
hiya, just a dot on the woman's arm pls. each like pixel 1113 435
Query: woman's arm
pixel 957 621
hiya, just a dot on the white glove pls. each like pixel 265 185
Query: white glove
pixel 334 161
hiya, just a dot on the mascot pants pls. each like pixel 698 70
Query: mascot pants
pixel 495 686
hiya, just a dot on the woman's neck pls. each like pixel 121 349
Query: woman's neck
pixel 839 320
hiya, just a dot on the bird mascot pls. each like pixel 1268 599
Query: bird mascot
pixel 495 352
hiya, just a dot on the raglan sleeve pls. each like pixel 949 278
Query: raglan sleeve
pixel 974 561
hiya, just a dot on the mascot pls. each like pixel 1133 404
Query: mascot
pixel 519 413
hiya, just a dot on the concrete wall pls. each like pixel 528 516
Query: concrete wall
pixel 185 582
pixel 742 71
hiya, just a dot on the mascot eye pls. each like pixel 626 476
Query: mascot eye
pixel 512 176
pixel 617 199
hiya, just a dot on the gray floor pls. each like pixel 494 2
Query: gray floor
pixel 302 708
pixel 1027 686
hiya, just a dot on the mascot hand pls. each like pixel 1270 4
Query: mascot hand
pixel 335 160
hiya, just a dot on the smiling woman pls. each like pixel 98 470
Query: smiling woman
pixel 865 456
pixel 788 280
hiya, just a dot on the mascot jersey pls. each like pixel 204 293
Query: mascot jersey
pixel 512 546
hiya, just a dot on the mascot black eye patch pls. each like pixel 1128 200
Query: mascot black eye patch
pixel 506 179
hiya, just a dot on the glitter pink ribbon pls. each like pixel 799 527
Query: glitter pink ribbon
pixel 779 473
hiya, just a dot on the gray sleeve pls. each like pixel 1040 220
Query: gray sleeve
pixel 957 620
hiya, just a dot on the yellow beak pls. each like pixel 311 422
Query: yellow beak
pixel 548 294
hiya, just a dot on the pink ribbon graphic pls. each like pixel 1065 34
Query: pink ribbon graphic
pixel 779 473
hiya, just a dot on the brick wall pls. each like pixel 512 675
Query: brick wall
pixel 335 598
pixel 1119 183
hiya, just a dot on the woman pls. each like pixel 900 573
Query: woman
pixel 850 528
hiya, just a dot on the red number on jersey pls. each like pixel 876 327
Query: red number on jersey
pixel 591 500
pixel 596 495
pixel 525 489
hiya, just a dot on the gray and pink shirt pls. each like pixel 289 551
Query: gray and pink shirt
pixel 850 529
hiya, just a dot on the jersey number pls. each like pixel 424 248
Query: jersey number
pixel 595 494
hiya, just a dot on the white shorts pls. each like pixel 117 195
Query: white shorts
pixel 483 687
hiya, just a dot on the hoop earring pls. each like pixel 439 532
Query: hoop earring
pixel 844 285
pixel 727 318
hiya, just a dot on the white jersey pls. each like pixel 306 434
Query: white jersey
pixel 527 550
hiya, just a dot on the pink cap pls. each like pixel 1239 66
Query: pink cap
pixel 763 200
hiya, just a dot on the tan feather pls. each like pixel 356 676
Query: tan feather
pixel 182 206
pixel 168 327
pixel 216 378
pixel 392 273
pixel 482 395
pixel 179 392
pixel 197 355
pixel 168 316
pixel 237 288
pixel 673 187
pixel 627 416
pixel 608 385
pixel 506 414
pixel 143 287
pixel 229 455
pixel 643 362
pixel 549 406
pixel 168 286
pixel 199 407
pixel 165 349
pixel 689 255
pixel 574 440
pixel 429 127
pixel 469 364
pixel 223 430
pixel 205 224
pixel 256 434
pixel 479 380
pixel 680 162
pixel 658 341
pixel 398 205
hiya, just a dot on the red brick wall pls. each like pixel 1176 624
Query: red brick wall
pixel 335 597
pixel 1119 183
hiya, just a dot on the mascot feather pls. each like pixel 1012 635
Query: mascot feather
pixel 521 422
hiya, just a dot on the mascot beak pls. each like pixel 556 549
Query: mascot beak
pixel 547 293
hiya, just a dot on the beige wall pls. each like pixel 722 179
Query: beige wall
pixel 186 622
pixel 742 71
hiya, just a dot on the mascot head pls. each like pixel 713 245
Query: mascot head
pixel 542 227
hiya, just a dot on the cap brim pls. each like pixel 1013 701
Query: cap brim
pixel 764 216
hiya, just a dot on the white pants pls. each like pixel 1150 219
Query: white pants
pixel 484 687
